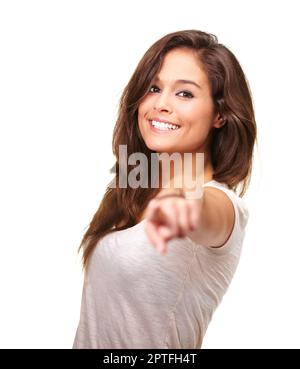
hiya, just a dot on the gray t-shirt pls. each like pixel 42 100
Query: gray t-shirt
pixel 134 297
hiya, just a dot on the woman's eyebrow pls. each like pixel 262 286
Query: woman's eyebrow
pixel 185 81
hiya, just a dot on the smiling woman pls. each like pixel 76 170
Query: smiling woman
pixel 188 95
pixel 168 101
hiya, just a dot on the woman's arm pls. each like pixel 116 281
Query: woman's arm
pixel 207 221
pixel 216 219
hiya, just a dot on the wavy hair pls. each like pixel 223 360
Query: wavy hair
pixel 231 148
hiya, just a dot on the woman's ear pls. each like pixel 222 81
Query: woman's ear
pixel 219 122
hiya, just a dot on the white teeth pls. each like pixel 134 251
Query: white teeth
pixel 163 126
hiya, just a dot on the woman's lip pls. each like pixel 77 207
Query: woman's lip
pixel 159 131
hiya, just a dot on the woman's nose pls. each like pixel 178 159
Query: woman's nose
pixel 162 102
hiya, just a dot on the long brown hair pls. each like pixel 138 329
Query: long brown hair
pixel 231 145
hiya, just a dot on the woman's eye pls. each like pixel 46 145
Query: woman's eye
pixel 187 94
pixel 155 87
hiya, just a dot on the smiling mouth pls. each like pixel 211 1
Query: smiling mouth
pixel 163 126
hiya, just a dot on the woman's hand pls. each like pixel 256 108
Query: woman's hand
pixel 171 216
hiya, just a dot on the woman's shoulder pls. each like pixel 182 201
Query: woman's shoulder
pixel 236 200
pixel 241 212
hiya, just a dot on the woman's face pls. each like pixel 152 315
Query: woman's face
pixel 187 105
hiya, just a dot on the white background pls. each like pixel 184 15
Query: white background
pixel 63 66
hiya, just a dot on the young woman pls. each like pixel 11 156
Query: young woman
pixel 157 262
